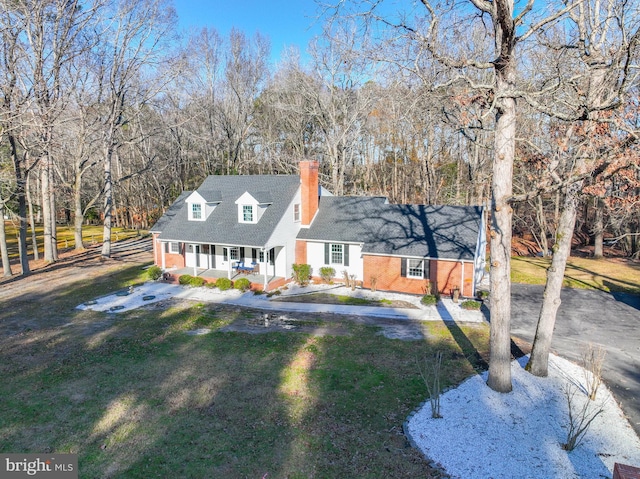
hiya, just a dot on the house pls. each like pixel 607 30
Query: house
pixel 274 221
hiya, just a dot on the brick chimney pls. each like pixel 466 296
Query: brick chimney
pixel 308 191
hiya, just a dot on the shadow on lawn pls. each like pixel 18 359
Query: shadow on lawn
pixel 135 396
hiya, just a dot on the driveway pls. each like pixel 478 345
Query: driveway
pixel 585 316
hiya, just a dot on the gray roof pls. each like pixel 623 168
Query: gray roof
pixel 170 213
pixel 445 232
pixel 222 226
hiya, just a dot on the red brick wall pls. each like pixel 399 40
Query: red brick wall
pixel 387 271
pixel 301 252
pixel 308 190
pixel 446 274
pixel 171 260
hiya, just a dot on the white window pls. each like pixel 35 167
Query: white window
pixel 196 211
pixel 234 254
pixel 415 268
pixel 247 213
pixel 174 247
pixel 336 254
pixel 296 212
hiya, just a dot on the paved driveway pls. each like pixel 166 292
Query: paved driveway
pixel 584 317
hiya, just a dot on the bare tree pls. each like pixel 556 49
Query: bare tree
pixel 604 44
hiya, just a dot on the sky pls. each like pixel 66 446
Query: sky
pixel 285 22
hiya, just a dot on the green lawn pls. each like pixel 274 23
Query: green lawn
pixel 135 396
pixel 606 274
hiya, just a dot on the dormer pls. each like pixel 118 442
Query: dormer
pixel 199 208
pixel 251 207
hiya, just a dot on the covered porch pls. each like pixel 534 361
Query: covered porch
pixel 258 280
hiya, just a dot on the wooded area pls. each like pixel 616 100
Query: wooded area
pixel 108 113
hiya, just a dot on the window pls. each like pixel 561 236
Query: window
pixel 247 213
pixel 336 254
pixel 235 254
pixel 415 268
pixel 174 247
pixel 196 211
pixel 296 212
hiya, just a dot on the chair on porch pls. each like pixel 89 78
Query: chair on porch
pixel 238 266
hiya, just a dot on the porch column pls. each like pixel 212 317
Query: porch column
pixel 462 279
pixel 195 258
pixel 162 246
pixel 266 262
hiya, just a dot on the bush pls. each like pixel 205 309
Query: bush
pixel 276 292
pixel 197 281
pixel 429 299
pixel 327 273
pixel 210 284
pixel 471 304
pixel 482 295
pixel 185 279
pixel 224 284
pixel 302 274
pixel 154 272
pixel 243 284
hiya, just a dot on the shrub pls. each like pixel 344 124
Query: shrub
pixel 243 284
pixel 302 274
pixel 471 304
pixel 482 294
pixel 276 292
pixel 197 281
pixel 154 272
pixel 429 299
pixel 185 279
pixel 327 273
pixel 210 284
pixel 224 284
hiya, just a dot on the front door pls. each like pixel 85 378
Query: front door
pixel 192 256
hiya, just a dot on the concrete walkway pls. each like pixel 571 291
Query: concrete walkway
pixel 151 292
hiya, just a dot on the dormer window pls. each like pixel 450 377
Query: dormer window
pixel 250 208
pixel 247 214
pixel 196 211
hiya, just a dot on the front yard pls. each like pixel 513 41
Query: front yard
pixel 136 396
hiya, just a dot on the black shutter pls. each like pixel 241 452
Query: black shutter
pixel 242 253
pixel 166 247
pixel 272 256
pixel 326 253
pixel 426 265
pixel 403 267
pixel 346 254
pixel 254 255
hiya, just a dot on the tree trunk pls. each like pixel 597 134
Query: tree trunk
pixel 46 213
pixel 78 216
pixel 22 205
pixel 108 203
pixel 539 360
pixel 4 253
pixel 598 230
pixel 32 221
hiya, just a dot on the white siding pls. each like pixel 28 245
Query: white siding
pixel 315 257
pixel 284 234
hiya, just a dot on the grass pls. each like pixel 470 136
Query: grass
pixel 328 298
pixel 65 235
pixel 610 275
pixel 135 396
